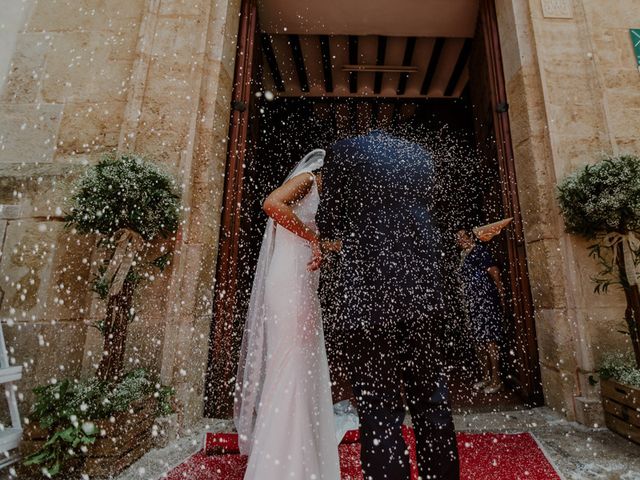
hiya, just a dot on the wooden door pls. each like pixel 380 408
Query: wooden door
pixel 225 325
pixel 525 349
pixel 224 335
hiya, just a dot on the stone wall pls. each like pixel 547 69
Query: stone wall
pixel 155 77
pixel 572 83
pixel 88 77
pixel 14 15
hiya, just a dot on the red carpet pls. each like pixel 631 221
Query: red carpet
pixel 483 456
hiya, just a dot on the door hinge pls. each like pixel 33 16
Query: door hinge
pixel 502 107
pixel 239 105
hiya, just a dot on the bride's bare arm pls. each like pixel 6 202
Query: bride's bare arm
pixel 278 206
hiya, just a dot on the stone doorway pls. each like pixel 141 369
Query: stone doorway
pixel 449 70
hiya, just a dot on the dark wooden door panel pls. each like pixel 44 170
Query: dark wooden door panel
pixel 526 351
pixel 222 365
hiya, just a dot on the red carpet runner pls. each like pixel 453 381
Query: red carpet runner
pixel 483 456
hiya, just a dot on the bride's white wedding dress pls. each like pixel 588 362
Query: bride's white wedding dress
pixel 284 412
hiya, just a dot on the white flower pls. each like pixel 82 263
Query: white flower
pixel 88 428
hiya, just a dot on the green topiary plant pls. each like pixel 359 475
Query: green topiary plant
pixel 127 202
pixel 602 202
pixel 125 192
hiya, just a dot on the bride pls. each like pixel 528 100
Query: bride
pixel 283 410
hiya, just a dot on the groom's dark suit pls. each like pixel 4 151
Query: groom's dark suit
pixel 375 197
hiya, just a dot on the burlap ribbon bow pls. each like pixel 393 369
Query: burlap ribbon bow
pixel 128 244
pixel 630 245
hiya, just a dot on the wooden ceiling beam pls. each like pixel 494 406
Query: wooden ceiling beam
pixel 463 58
pixel 325 51
pixel 267 49
pixel 382 49
pixel 353 59
pixel 438 67
pixel 298 60
pixel 380 68
pixel 410 46
pixel 433 65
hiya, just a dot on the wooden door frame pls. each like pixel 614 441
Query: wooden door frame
pixel 222 366
pixel 530 383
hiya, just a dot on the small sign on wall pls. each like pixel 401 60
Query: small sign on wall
pixel 557 9
pixel 635 40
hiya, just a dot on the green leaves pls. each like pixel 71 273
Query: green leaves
pixel 101 286
pixel 621 368
pixel 67 409
pixel 608 274
pixel 58 448
pixel 599 199
pixel 162 261
pixel 604 197
pixel 125 191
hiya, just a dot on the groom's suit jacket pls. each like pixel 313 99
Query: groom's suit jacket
pixel 376 198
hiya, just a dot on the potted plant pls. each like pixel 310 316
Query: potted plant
pixel 103 424
pixel 127 202
pixel 620 379
pixel 93 426
pixel 602 203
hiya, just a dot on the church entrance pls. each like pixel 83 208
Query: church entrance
pixel 306 74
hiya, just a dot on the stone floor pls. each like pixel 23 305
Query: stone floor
pixel 578 452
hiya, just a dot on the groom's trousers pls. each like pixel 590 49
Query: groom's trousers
pixel 386 359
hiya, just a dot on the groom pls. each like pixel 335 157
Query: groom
pixel 376 199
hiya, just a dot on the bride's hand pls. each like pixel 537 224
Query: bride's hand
pixel 332 246
pixel 317 256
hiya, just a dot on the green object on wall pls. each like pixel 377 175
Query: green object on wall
pixel 635 40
